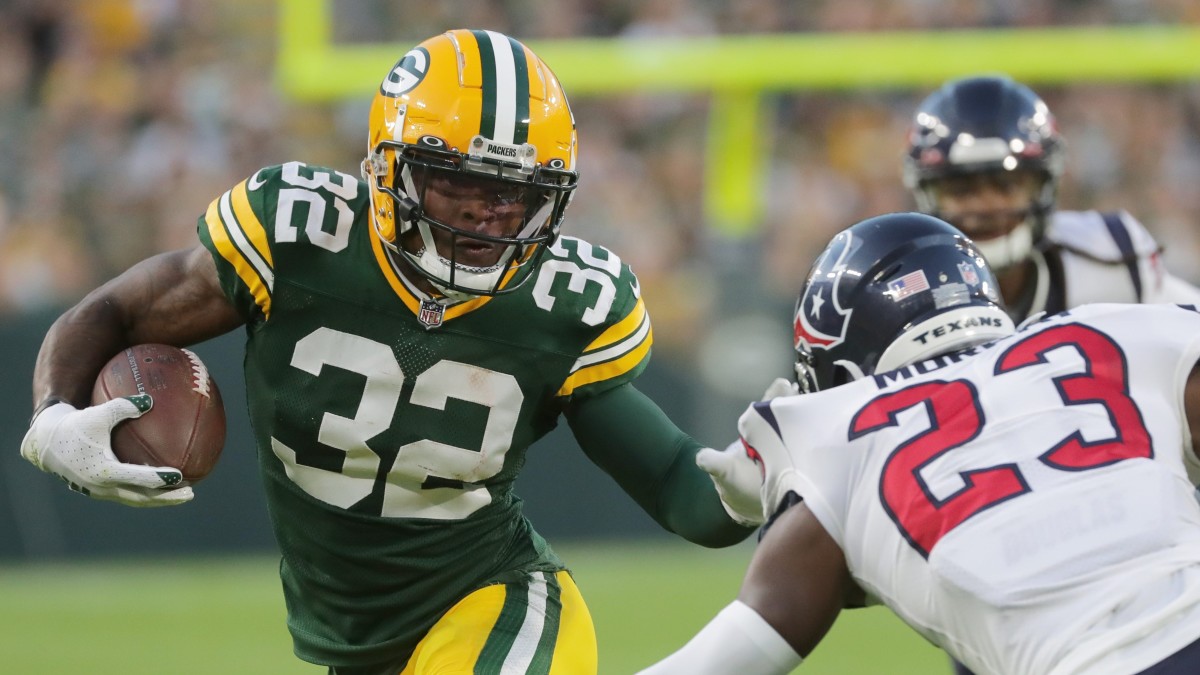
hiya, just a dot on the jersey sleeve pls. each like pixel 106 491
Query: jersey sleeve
pixel 1111 237
pixel 633 441
pixel 1168 288
pixel 232 230
pixel 617 349
pixel 1118 239
pixel 281 217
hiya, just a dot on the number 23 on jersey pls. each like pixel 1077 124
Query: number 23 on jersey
pixel 956 416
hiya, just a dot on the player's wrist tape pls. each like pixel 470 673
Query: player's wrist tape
pixel 46 403
pixel 738 640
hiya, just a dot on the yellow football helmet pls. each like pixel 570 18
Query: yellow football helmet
pixel 482 104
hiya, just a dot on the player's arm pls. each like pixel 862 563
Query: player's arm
pixel 173 298
pixel 798 580
pixel 1191 406
pixel 1176 291
pixel 796 586
pixel 1159 285
pixel 630 438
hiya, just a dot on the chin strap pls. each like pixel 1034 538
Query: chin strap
pixel 1042 290
pixel 483 280
pixel 1010 249
pixel 853 371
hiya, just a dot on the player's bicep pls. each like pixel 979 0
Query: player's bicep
pixel 798 580
pixel 1191 405
pixel 173 298
pixel 169 298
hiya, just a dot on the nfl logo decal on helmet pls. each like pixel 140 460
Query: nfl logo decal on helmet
pixel 969 275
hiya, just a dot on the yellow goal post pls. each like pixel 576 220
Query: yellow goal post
pixel 737 71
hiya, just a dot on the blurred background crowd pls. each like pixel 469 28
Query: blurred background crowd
pixel 121 119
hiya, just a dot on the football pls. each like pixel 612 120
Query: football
pixel 185 426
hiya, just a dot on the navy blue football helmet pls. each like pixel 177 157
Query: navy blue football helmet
pixel 985 124
pixel 890 291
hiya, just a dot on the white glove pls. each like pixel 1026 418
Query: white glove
pixel 780 387
pixel 780 476
pixel 738 479
pixel 735 472
pixel 76 446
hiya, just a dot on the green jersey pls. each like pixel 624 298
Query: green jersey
pixel 390 429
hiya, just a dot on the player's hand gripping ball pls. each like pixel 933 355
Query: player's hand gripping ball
pixel 185 426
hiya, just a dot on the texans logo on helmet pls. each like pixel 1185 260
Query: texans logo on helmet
pixel 819 320
pixel 407 73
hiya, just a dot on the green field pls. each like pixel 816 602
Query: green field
pixel 225 615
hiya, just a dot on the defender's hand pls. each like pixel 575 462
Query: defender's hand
pixel 780 387
pixel 738 479
pixel 76 446
pixel 737 474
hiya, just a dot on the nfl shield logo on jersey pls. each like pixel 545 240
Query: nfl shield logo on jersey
pixel 430 314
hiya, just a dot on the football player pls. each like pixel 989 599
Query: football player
pixel 986 155
pixel 1021 498
pixel 408 336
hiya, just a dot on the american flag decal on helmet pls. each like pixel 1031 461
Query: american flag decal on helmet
pixel 909 284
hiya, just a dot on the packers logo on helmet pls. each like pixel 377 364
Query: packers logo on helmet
pixel 470 105
pixel 407 73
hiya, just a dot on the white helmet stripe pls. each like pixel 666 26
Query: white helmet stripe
pixel 506 87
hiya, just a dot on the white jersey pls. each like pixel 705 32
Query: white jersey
pixel 1101 257
pixel 1026 505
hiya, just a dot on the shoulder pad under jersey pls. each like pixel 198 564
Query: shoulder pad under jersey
pixel 1113 236
pixel 588 287
pixel 294 204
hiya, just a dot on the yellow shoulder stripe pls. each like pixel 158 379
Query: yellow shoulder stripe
pixel 609 369
pixel 232 243
pixel 621 329
pixel 253 228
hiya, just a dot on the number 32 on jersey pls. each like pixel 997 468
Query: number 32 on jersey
pixel 459 473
